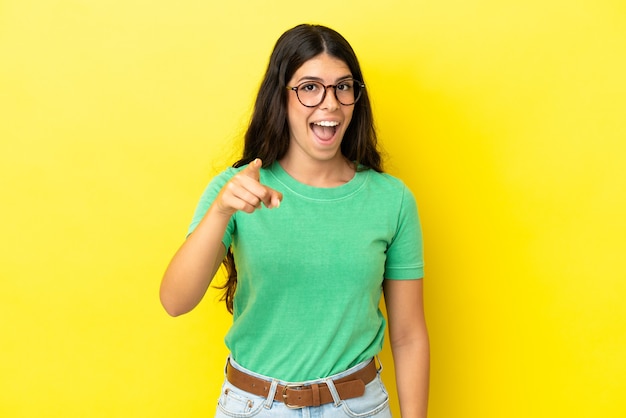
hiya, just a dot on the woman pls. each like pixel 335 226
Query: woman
pixel 309 268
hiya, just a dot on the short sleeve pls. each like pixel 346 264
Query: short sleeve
pixel 206 200
pixel 405 259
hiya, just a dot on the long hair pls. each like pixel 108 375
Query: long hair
pixel 267 136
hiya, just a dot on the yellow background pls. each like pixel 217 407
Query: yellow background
pixel 506 119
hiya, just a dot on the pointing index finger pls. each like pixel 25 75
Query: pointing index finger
pixel 252 170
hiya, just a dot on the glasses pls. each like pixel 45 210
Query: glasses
pixel 313 93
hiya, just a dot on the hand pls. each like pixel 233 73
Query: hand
pixel 245 192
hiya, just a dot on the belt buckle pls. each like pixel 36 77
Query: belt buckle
pixel 293 387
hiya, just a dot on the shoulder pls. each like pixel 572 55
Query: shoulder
pixel 386 182
pixel 391 194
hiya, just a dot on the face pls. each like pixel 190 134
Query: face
pixel 316 132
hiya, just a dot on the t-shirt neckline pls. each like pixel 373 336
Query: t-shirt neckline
pixel 319 193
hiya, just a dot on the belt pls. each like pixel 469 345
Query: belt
pixel 300 395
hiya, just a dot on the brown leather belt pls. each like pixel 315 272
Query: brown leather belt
pixel 299 396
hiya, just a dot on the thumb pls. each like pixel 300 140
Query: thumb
pixel 252 170
pixel 275 198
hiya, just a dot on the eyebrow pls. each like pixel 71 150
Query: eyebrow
pixel 312 78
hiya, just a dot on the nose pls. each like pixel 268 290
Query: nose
pixel 330 101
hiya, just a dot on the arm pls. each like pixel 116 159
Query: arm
pixel 409 344
pixel 192 268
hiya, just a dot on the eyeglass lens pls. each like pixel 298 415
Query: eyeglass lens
pixel 312 93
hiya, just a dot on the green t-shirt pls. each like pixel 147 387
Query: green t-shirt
pixel 310 272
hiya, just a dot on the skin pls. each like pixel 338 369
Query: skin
pixel 409 344
pixel 318 163
pixel 308 159
pixel 192 268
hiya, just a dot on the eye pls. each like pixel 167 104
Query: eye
pixel 309 87
pixel 345 85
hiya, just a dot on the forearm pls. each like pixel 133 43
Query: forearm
pixel 408 336
pixel 412 366
pixel 192 268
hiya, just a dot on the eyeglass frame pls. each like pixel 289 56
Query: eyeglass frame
pixel 334 86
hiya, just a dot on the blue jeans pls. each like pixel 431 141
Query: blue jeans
pixel 236 403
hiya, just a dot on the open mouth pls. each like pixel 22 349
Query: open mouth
pixel 325 130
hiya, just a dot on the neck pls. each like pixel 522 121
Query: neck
pixel 332 173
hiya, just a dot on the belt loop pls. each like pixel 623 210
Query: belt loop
pixel 226 365
pixel 380 368
pixel 333 391
pixel 315 394
pixel 271 394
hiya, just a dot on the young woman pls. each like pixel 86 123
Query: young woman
pixel 312 233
